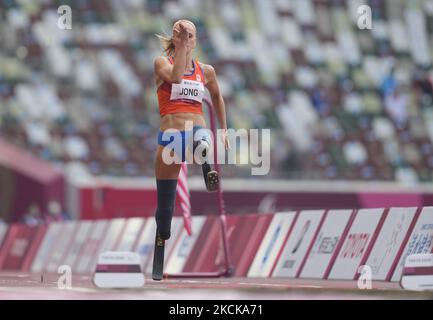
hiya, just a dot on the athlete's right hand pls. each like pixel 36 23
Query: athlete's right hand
pixel 180 36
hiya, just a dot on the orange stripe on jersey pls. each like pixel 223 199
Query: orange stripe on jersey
pixel 185 97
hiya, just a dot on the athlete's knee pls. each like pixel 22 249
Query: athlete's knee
pixel 164 213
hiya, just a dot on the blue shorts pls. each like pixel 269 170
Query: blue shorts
pixel 180 140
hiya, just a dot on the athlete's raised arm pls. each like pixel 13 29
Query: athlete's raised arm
pixel 173 73
pixel 217 100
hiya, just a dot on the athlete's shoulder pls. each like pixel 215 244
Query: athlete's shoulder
pixel 208 70
pixel 206 67
pixel 160 61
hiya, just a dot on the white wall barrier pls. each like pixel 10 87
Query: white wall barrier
pixel 389 242
pixel 326 243
pixel 295 249
pixel 275 236
pixel 3 230
pixel 419 241
pixel 91 247
pixel 315 244
pixel 356 245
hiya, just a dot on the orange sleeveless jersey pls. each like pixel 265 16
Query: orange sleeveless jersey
pixel 169 104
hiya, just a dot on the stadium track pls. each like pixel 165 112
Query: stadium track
pixel 44 286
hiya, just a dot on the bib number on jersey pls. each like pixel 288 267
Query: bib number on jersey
pixel 187 90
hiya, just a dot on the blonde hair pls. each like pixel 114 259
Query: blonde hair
pixel 167 42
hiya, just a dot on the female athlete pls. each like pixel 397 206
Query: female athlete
pixel 180 82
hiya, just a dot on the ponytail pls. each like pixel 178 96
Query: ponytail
pixel 167 44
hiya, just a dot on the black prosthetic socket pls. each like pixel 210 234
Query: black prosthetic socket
pixel 166 190
pixel 203 143
pixel 205 166
pixel 210 176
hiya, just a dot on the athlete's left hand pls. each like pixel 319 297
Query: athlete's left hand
pixel 225 140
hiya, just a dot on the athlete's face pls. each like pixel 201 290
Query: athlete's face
pixel 190 28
